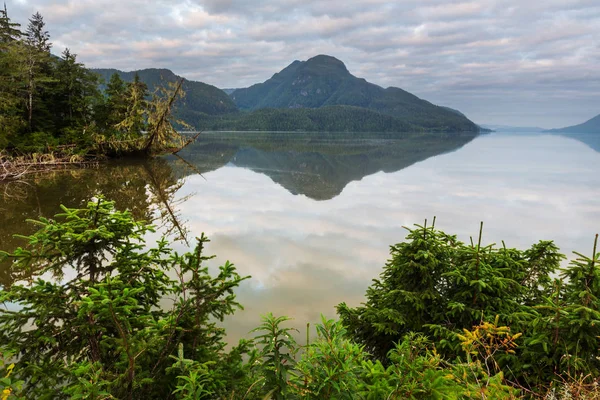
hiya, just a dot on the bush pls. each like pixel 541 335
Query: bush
pixel 439 287
pixel 100 325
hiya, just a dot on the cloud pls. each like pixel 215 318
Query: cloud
pixel 503 53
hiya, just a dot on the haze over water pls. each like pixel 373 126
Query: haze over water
pixel 311 217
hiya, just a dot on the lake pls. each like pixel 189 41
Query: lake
pixel 311 216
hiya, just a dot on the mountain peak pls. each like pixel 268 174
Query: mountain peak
pixel 324 61
pixel 325 81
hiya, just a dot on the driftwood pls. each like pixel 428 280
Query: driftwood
pixel 189 141
pixel 15 168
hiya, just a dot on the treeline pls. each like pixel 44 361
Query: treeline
pixel 446 320
pixel 49 102
pixel 324 119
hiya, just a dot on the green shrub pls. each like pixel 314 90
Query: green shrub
pixel 99 326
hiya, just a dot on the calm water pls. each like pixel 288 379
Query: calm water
pixel 311 217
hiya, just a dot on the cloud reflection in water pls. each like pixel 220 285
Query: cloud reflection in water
pixel 306 256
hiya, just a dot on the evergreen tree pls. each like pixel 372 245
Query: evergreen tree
pixel 37 67
pixel 9 31
pixel 36 35
pixel 75 92
pixel 116 103
pixel 10 50
pixel 108 316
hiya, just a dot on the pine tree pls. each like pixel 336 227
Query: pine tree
pixel 75 92
pixel 36 35
pixel 9 31
pixel 10 50
pixel 37 68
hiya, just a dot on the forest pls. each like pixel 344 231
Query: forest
pixel 445 320
pixel 53 113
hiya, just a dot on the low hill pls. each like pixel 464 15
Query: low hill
pixel 200 98
pixel 590 126
pixel 325 81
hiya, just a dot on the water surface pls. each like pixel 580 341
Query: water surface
pixel 311 216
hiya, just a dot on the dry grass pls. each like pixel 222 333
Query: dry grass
pixel 576 388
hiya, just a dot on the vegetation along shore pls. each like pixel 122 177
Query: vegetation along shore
pixel 53 113
pixel 445 319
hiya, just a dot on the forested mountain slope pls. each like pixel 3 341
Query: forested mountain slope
pixel 200 97
pixel 325 81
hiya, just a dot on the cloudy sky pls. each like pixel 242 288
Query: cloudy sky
pixel 516 62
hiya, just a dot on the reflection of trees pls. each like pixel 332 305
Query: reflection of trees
pixel 146 188
pixel 163 186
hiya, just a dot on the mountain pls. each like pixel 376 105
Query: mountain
pixel 200 99
pixel 454 111
pixel 591 126
pixel 325 81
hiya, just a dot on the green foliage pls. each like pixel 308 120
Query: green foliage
pixel 195 378
pixel 88 382
pixel 48 102
pixel 99 314
pixel 9 387
pixel 330 367
pixel 75 96
pixel 133 120
pixel 439 287
pixel 325 119
pixel 200 98
pixel 276 355
pixel 98 326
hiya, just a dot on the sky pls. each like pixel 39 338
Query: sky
pixel 508 62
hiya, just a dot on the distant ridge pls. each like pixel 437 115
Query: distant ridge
pixel 590 126
pixel 325 81
pixel 508 128
pixel 200 98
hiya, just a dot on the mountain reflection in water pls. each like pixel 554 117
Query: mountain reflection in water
pixel 316 165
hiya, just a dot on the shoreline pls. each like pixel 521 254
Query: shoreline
pixel 13 168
